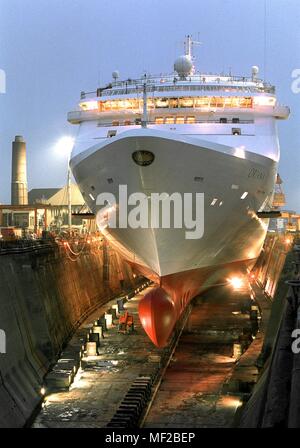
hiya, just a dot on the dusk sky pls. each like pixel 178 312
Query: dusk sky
pixel 51 50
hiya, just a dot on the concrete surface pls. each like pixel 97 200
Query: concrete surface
pixel 191 394
pixel 103 380
pixel 43 297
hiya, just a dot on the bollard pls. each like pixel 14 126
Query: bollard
pixel 66 365
pixel 115 307
pixel 237 351
pixel 254 314
pixel 102 322
pixel 91 349
pixel 99 330
pixel 95 337
pixel 113 312
pixel 120 305
pixel 109 320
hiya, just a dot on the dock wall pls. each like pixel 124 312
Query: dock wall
pixel 274 400
pixel 46 291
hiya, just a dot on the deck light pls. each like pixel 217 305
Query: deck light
pixel 236 282
pixel 65 145
pixel 43 391
pixel 89 105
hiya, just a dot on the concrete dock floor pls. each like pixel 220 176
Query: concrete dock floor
pixel 101 384
pixel 191 393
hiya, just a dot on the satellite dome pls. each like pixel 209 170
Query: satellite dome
pixel 255 71
pixel 183 66
pixel 115 74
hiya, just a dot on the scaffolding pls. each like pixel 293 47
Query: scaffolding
pixel 279 196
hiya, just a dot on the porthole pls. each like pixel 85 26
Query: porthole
pixel 143 158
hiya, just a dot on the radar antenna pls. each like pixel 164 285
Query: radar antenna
pixel 188 45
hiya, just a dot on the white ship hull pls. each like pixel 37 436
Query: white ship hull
pixel 232 230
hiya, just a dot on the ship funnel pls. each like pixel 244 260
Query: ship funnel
pixel 19 191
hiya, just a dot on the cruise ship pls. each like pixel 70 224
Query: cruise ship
pixel 186 132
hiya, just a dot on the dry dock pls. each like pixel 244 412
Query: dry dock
pixel 209 375
pixel 191 393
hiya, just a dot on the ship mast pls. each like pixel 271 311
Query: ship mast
pixel 144 118
pixel 188 46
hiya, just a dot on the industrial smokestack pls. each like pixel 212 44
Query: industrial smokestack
pixel 19 191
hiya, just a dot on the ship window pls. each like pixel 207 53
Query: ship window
pixel 228 102
pixel 180 120
pixel 234 187
pixel 150 103
pixel 115 123
pixel 246 102
pixel 170 120
pixel 190 120
pixel 119 104
pixel 235 101
pixel 244 195
pixel 127 123
pixel 89 105
pixel 111 134
pixel 198 179
pixel 186 102
pixel 161 102
pixel 217 102
pixel 235 120
pixel 202 102
pixel 159 120
pixel 221 203
pixel 223 120
pixel 236 131
pixel 173 103
pixel 214 201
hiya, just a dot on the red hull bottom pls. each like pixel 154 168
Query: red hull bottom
pixel 161 307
